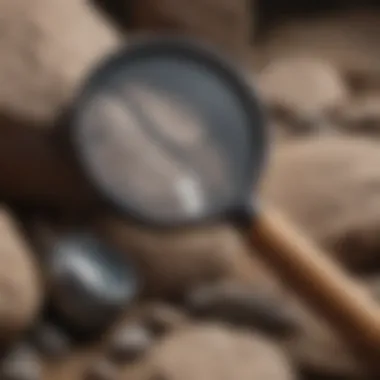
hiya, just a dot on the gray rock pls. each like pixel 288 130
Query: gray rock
pixel 90 283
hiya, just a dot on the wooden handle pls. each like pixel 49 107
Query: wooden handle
pixel 32 169
pixel 321 282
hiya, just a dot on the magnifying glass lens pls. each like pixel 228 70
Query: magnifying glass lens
pixel 156 138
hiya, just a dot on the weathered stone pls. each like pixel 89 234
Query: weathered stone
pixel 45 56
pixel 329 187
pixel 212 352
pixel 20 285
pixel 302 90
pixel 101 370
pixel 242 306
pixel 90 283
pixel 172 262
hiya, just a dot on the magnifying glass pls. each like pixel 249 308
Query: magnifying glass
pixel 171 135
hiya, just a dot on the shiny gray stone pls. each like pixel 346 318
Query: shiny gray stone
pixel 90 282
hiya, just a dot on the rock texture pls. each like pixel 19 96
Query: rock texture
pixel 47 47
pixel 302 91
pixel 20 286
pixel 173 262
pixel 329 187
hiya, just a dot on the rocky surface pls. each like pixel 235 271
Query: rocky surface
pixel 216 312
pixel 192 350
pixel 205 19
pixel 21 291
pixel 329 187
pixel 302 91
pixel 45 57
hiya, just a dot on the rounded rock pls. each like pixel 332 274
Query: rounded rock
pixel 129 343
pixel 59 54
pixel 91 284
pixel 305 87
pixel 208 352
pixel 20 287
pixel 330 188
pixel 241 305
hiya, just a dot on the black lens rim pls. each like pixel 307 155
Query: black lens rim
pixel 185 47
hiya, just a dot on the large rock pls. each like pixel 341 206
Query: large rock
pixel 47 47
pixel 318 349
pixel 172 262
pixel 214 352
pixel 191 352
pixel 302 91
pixel 20 286
pixel 329 187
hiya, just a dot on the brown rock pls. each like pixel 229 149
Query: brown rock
pixel 227 24
pixel 346 39
pixel 302 90
pixel 329 187
pixel 373 283
pixel 20 287
pixel 242 306
pixel 101 370
pixel 80 363
pixel 213 352
pixel 47 47
pixel 129 343
pixel 360 116
pixel 172 262
pixel 318 349
pixel 191 351
pixel 161 318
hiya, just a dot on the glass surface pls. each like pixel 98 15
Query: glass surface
pixel 167 138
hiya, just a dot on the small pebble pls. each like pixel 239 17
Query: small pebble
pixel 129 344
pixel 51 342
pixel 91 283
pixel 22 363
pixel 101 370
pixel 162 319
